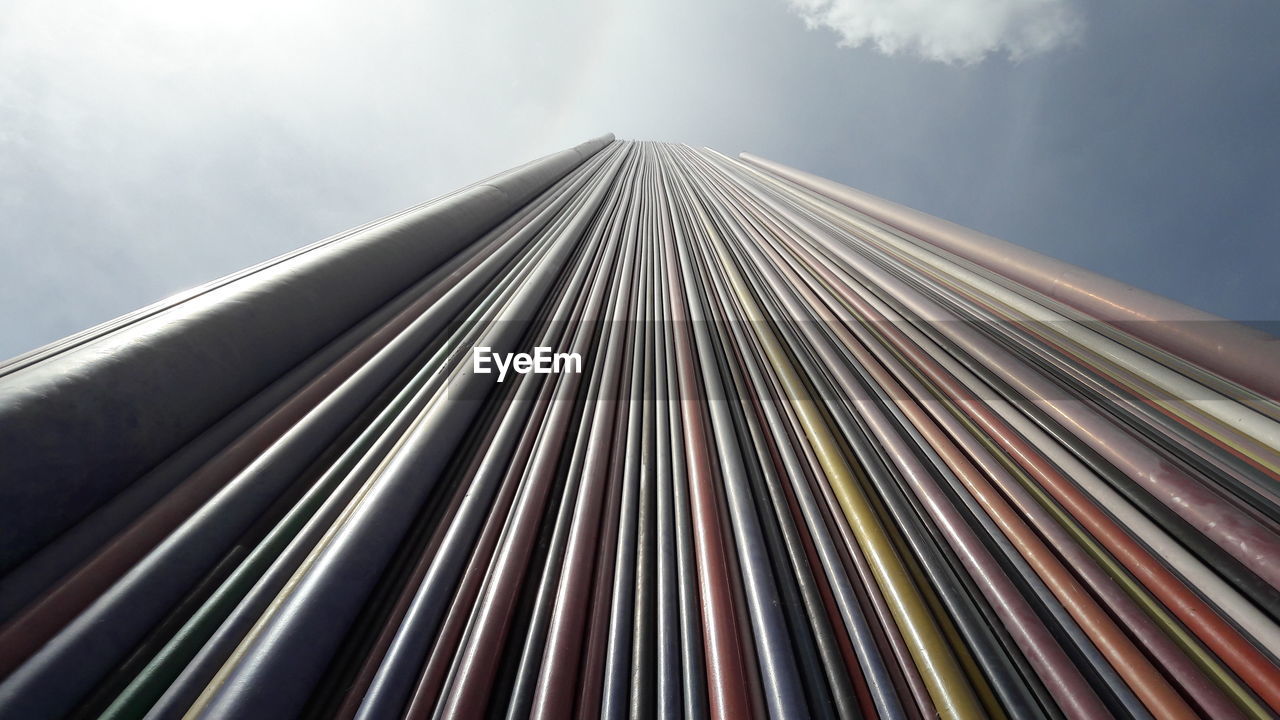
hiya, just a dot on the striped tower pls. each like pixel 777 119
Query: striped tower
pixel 641 430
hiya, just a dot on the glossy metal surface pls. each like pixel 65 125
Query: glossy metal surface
pixel 826 457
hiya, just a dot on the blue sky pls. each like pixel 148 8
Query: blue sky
pixel 148 145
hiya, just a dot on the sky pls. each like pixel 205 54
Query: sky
pixel 147 146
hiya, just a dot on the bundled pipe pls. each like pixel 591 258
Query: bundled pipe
pixel 797 452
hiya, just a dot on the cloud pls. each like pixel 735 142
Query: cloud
pixel 147 146
pixel 948 31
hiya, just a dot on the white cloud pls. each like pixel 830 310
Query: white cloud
pixel 949 31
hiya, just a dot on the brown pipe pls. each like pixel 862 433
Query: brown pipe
pixel 1244 355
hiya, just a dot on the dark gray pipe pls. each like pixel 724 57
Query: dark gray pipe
pixel 83 425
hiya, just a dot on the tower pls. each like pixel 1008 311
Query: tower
pixel 640 428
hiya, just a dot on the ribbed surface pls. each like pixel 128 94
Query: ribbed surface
pixel 812 466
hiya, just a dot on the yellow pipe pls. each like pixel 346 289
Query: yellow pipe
pixel 946 681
